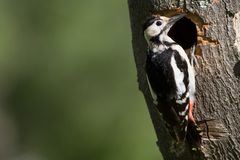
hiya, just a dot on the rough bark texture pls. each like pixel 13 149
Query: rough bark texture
pixel 218 76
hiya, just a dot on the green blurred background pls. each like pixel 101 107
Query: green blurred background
pixel 68 88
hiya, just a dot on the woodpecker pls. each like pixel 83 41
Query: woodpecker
pixel 171 78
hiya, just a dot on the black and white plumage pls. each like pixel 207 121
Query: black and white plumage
pixel 171 78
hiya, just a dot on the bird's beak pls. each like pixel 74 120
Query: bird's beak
pixel 172 21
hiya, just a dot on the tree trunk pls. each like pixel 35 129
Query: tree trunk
pixel 218 74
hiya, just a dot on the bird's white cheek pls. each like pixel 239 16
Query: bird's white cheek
pixel 153 31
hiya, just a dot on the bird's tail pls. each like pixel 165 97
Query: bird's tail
pixel 205 130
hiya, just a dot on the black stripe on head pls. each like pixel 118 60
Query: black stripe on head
pixel 155 40
pixel 168 44
pixel 149 22
pixel 158 42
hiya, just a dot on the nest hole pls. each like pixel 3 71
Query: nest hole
pixel 184 32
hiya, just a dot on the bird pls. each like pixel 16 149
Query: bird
pixel 171 79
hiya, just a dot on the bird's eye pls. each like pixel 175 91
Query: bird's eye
pixel 158 23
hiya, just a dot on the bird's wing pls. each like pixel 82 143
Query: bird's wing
pixel 168 77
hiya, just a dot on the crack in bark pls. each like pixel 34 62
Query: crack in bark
pixel 207 129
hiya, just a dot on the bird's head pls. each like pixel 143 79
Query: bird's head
pixel 159 25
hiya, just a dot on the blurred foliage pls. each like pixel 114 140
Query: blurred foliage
pixel 68 81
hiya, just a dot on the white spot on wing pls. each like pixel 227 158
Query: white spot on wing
pixel 181 101
pixel 183 113
pixel 178 76
pixel 190 71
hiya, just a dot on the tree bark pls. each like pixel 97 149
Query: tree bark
pixel 218 74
